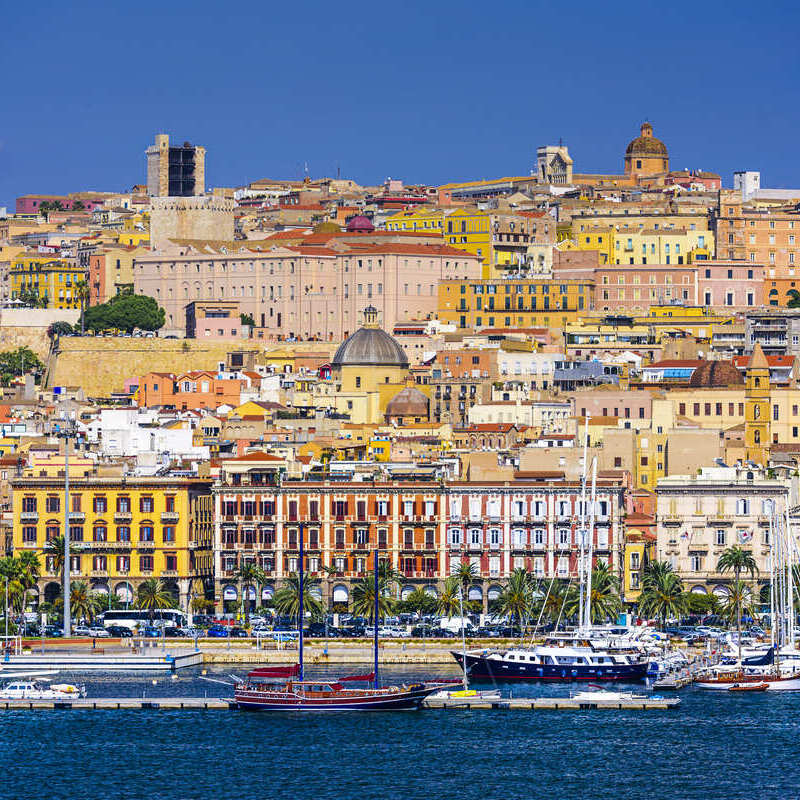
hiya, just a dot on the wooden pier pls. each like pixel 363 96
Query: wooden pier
pixel 222 704
pixel 554 703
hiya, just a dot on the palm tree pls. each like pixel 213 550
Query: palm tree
pixel 515 601
pixel 737 560
pixel 8 572
pixel 249 573
pixel 81 289
pixel 287 598
pixel 54 550
pixel 327 573
pixel 467 574
pixel 662 592
pixel 152 594
pixel 29 570
pixel 605 602
pixel 82 601
pixel 363 596
pixel 740 596
pixel 448 604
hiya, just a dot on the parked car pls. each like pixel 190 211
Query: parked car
pixel 81 630
pixel 217 632
pixel 119 631
pixel 150 632
pixel 174 633
pixel 97 632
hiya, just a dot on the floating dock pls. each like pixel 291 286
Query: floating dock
pixel 119 662
pixel 222 704
pixel 555 703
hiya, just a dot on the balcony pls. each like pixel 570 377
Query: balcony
pixel 170 516
pixel 146 546
pixel 99 573
pixel 720 519
pixel 171 573
pixel 77 516
pixel 123 517
pixel 672 520
pixel 29 516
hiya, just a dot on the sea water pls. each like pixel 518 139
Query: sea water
pixel 716 745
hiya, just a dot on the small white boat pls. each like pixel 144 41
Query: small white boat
pixel 30 690
pixel 603 696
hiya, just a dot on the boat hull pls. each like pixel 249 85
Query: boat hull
pixel 401 700
pixel 482 668
pixel 773 684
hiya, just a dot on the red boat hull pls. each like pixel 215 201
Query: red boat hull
pixel 253 698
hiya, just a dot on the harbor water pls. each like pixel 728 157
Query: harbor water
pixel 715 746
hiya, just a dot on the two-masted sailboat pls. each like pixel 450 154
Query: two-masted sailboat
pixel 286 689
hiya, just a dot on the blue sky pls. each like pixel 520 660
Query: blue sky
pixel 423 91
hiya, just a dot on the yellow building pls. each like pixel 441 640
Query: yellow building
pixel 51 279
pixel 660 246
pixel 518 303
pixel 123 530
pixel 640 550
pixel 757 407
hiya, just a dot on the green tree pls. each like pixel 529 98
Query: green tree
pixel 363 597
pixel 737 560
pixel 249 574
pixel 605 602
pixel 418 602
pixel 54 550
pixel 794 299
pixel 328 572
pixel 81 289
pixel 29 570
pixel 152 594
pixel 662 594
pixel 59 328
pixel 467 574
pixel 516 599
pixel 78 205
pixel 8 574
pixel 549 602
pixel 287 598
pixel 83 602
pixel 740 596
pixel 18 362
pixel 247 319
pixel 125 311
pixel 448 604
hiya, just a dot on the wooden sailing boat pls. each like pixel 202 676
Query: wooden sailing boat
pixel 285 688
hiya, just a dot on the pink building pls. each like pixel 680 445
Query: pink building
pixel 304 292
pixel 735 284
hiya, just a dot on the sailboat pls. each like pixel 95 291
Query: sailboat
pixel 285 688
pixel 578 656
pixel 749 673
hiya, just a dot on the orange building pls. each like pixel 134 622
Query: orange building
pixel 196 390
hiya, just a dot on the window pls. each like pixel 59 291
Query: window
pixel 145 533
pixel 146 563
pixel 168 534
pixel 100 533
pixel 146 505
pixel 721 537
pixel 99 504
pixel 696 563
pixel 123 533
pixel 52 504
pixel 29 534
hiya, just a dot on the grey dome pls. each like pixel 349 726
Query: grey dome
pixel 370 347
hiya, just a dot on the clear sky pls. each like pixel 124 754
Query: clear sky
pixel 424 91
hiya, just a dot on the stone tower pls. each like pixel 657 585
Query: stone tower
pixel 756 408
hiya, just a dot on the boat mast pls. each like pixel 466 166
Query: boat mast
pixel 301 611
pixel 463 637
pixel 789 583
pixel 375 629
pixel 582 522
pixel 587 602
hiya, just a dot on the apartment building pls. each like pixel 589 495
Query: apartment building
pixel 423 529
pixel 123 530
pixel 699 516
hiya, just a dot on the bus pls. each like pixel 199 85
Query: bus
pixel 135 617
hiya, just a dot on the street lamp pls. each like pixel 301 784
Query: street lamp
pixel 66 428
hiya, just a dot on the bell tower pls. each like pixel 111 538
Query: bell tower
pixel 756 407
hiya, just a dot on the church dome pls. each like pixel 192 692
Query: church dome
pixel 410 402
pixel 715 374
pixel 646 144
pixel 370 347
pixel 360 224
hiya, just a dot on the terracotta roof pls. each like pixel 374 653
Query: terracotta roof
pixel 772 361
pixel 260 456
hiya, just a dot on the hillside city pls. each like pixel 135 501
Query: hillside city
pixel 442 373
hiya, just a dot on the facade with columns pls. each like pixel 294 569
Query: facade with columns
pixel 424 529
